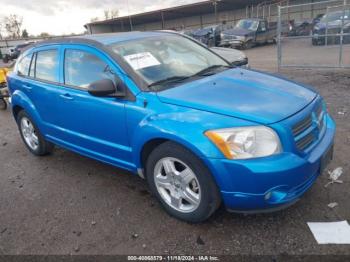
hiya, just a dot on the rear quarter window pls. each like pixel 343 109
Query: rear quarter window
pixel 23 65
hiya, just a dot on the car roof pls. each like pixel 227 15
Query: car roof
pixel 102 41
pixel 253 19
pixel 111 38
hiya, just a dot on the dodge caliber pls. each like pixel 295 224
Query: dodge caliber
pixel 201 132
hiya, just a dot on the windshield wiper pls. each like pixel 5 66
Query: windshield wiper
pixel 172 79
pixel 210 70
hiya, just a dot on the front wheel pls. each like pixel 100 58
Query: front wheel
pixel 31 135
pixel 182 183
pixel 247 45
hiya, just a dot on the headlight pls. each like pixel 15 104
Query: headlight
pixel 245 142
pixel 241 57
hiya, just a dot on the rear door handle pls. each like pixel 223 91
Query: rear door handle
pixel 67 96
pixel 28 87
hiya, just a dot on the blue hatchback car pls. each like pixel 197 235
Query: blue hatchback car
pixel 163 106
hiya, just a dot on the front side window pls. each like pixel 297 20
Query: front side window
pixel 262 26
pixel 82 68
pixel 23 65
pixel 168 57
pixel 47 65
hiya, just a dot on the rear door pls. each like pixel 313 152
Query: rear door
pixel 94 126
pixel 39 74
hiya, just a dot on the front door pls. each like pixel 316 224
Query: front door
pixel 261 34
pixel 94 126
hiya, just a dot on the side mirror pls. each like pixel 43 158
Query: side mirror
pixel 106 87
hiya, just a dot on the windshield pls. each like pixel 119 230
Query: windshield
pixel 247 24
pixel 167 57
pixel 334 16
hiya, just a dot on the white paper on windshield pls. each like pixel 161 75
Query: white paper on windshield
pixel 331 232
pixel 141 60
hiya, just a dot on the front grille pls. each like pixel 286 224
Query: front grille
pixel 304 142
pixel 302 125
pixel 229 37
pixel 305 131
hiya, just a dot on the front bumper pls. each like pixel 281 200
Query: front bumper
pixel 232 43
pixel 261 184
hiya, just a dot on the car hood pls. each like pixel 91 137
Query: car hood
pixel 238 32
pixel 202 32
pixel 244 94
pixel 332 24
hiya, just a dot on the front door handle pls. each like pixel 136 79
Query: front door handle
pixel 28 87
pixel 67 96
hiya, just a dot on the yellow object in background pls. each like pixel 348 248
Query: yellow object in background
pixel 3 73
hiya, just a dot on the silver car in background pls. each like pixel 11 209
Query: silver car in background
pixel 234 56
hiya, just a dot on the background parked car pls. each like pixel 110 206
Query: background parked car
pixel 210 35
pixel 301 27
pixel 14 53
pixel 234 56
pixel 248 33
pixel 317 19
pixel 332 23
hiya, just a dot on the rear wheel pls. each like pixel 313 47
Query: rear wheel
pixel 182 183
pixel 3 104
pixel 31 135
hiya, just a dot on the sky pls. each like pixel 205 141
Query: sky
pixel 58 17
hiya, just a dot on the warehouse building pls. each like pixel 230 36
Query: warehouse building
pixel 199 15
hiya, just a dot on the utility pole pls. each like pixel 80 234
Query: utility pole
pixel 215 4
pixel 130 21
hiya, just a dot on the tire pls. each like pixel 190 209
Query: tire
pixel 204 194
pixel 3 104
pixel 39 145
pixel 247 45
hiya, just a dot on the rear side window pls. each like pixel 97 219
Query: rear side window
pixel 23 65
pixel 47 65
pixel 82 68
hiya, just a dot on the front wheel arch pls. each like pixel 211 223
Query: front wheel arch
pixel 150 145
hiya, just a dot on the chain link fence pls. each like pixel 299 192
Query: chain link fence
pixel 319 35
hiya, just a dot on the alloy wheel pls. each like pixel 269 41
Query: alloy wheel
pixel 29 134
pixel 177 184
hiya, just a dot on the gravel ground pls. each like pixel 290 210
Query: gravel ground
pixel 68 204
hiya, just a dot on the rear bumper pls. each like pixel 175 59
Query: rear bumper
pixel 270 183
